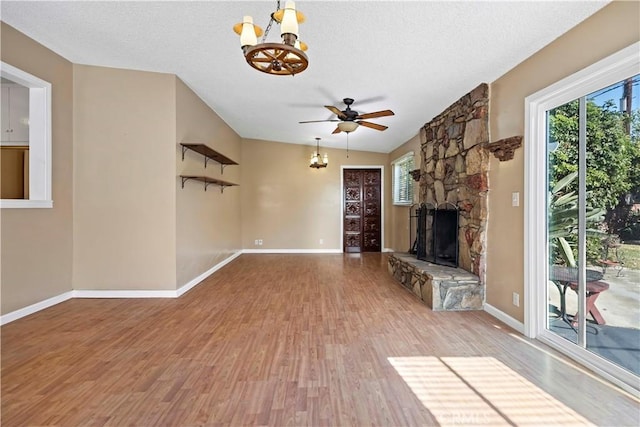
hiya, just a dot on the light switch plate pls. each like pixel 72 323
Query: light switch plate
pixel 515 198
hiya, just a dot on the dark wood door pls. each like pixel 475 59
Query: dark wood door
pixel 362 207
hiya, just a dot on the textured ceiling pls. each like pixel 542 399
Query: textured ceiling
pixel 413 57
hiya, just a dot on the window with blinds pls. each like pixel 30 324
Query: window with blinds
pixel 402 180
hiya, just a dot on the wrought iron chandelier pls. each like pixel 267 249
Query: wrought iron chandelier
pixel 279 59
pixel 317 161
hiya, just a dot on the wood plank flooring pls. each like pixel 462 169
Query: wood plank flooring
pixel 319 340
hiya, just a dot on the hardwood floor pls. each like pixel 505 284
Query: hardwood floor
pixel 290 340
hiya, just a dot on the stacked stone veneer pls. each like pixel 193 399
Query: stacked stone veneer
pixel 439 287
pixel 455 165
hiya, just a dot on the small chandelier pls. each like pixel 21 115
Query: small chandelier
pixel 318 162
pixel 280 59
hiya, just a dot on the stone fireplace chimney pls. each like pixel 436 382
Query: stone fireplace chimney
pixel 454 171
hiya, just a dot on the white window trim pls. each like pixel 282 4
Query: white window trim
pixel 610 70
pixel 393 179
pixel 40 172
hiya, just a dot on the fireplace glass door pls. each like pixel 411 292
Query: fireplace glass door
pixel 445 237
pixel 437 235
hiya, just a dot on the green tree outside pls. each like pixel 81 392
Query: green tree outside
pixel 613 165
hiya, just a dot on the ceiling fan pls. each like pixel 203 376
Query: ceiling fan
pixel 349 119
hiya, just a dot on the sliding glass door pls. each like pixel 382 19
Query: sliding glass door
pixel 593 222
pixel 582 217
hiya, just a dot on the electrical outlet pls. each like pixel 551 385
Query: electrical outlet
pixel 259 242
pixel 255 242
pixel 322 241
pixel 516 299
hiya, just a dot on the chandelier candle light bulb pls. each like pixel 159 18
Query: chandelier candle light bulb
pixel 249 32
pixel 289 23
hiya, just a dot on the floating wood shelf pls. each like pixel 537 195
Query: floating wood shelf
pixel 208 153
pixel 207 181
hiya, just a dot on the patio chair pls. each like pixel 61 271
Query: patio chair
pixel 612 256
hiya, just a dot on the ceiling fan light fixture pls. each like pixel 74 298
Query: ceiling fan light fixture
pixel 348 126
pixel 349 120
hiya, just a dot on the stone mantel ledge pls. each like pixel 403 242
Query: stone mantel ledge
pixel 505 148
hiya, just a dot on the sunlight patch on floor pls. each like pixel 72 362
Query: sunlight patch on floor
pixel 481 391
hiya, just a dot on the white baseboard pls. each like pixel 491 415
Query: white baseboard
pixel 188 286
pixel 33 308
pixel 300 251
pixel 113 293
pixel 505 318
pixel 107 293
pixel 292 251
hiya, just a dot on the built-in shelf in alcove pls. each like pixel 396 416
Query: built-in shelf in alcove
pixel 208 153
pixel 207 181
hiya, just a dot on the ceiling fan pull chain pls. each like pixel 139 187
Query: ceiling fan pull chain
pixel 348 145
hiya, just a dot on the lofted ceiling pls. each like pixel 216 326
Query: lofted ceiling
pixel 413 57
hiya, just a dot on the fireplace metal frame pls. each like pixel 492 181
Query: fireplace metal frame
pixel 414 216
pixel 424 248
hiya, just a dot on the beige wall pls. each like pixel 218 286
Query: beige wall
pixel 289 205
pixel 207 223
pixel 611 29
pixel 124 179
pixel 399 215
pixel 37 246
pixel 121 221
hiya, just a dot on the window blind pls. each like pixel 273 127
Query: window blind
pixel 402 180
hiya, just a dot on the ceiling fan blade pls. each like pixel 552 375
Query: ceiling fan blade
pixel 336 130
pixel 382 113
pixel 335 111
pixel 320 121
pixel 378 98
pixel 372 125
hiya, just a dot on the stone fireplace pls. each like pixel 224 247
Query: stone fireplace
pixel 455 166
pixel 454 172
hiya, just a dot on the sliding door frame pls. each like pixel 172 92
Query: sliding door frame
pixel 614 68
